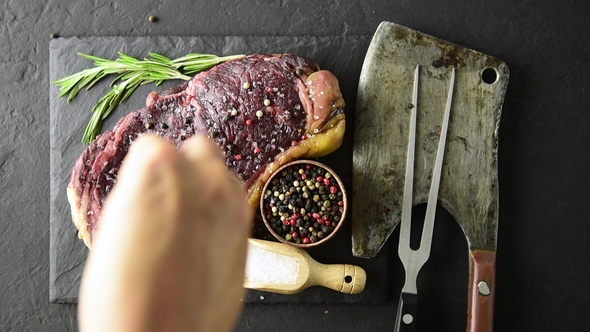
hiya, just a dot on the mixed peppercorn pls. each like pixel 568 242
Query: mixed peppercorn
pixel 303 203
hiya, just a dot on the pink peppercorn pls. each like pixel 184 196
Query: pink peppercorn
pixel 257 150
pixel 295 235
pixel 248 122
pixel 333 189
pixel 305 240
pixel 238 157
pixel 315 215
pixel 303 176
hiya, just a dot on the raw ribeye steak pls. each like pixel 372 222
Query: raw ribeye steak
pixel 262 110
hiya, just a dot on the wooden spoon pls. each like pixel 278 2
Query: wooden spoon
pixel 281 268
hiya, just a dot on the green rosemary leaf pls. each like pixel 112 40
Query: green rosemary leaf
pixel 130 73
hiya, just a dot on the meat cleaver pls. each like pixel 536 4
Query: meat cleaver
pixel 469 181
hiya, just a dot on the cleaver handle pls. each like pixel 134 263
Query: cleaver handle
pixel 481 290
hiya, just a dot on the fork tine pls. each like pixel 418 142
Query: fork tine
pixel 426 239
pixel 406 217
pixel 413 260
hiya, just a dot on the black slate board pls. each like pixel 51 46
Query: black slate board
pixel 343 55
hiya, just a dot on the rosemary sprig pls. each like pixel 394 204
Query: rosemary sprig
pixel 131 73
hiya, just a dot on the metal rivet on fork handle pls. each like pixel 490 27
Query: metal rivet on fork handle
pixel 408 319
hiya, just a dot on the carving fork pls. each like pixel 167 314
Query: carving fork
pixel 413 260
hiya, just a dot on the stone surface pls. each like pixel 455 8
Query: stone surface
pixel 543 261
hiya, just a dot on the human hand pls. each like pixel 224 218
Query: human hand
pixel 171 249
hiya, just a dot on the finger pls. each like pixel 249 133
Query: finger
pixel 143 177
pixel 201 148
pixel 145 154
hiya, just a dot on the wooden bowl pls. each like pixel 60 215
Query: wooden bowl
pixel 271 213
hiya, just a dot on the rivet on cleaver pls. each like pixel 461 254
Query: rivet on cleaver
pixel 483 288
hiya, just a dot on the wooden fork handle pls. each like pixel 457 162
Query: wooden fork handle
pixel 482 285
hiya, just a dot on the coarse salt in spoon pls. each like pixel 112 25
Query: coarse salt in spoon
pixel 281 268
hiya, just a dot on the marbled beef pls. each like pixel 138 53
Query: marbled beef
pixel 262 111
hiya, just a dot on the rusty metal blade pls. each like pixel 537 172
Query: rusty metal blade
pixel 469 186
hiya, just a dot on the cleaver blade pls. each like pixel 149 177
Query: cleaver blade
pixel 469 181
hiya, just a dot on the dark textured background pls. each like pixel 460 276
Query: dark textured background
pixel 543 260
